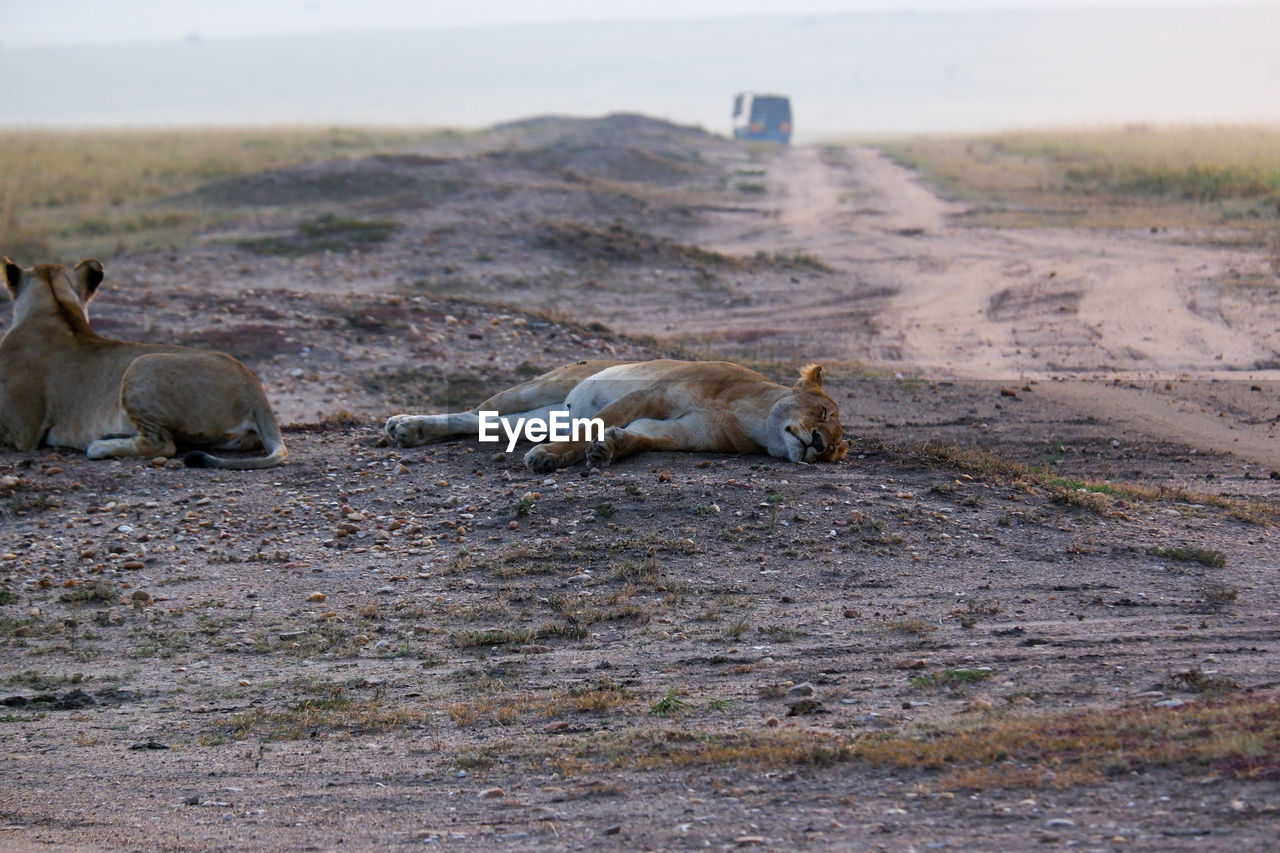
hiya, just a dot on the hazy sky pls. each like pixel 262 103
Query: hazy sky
pixel 40 22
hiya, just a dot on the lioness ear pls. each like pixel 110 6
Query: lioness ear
pixel 811 377
pixel 12 276
pixel 91 274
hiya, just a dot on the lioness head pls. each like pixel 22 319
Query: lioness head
pixel 53 287
pixel 808 421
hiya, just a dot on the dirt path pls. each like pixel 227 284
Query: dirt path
pixel 915 292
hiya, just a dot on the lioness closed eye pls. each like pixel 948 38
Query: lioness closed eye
pixel 63 384
pixel 711 406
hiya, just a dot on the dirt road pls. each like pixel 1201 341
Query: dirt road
pixel 914 291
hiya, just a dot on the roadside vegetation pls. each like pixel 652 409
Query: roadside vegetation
pixel 1133 177
pixel 1233 738
pixel 69 194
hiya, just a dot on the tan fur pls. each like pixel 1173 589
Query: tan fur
pixel 711 406
pixel 64 385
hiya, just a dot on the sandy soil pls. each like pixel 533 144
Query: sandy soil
pixel 375 648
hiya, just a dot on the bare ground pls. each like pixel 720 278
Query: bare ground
pixel 373 647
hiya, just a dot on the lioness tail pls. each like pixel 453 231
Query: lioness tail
pixel 272 441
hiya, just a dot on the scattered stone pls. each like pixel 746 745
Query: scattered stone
pixel 149 744
pixel 492 793
pixel 317 597
pixel 804 707
pixel 802 689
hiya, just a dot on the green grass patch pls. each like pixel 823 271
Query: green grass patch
pixel 1191 554
pixel 951 677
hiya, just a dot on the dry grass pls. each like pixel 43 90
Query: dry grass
pixel 1233 738
pixel 67 194
pixel 1132 177
pixel 506 710
pixel 1094 495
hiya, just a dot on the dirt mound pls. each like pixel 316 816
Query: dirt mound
pixel 339 181
pixel 610 162
pixel 628 128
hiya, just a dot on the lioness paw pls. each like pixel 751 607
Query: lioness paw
pixel 412 430
pixel 600 453
pixel 541 461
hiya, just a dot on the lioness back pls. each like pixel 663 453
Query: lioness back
pixel 63 384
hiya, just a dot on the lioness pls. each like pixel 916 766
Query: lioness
pixel 710 406
pixel 64 385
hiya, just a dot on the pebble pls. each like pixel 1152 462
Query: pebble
pixel 492 793
pixel 317 597
pixel 802 689
pixel 1059 823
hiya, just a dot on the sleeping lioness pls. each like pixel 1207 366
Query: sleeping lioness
pixel 64 385
pixel 710 406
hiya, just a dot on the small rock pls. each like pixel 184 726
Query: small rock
pixel 492 793
pixel 317 597
pixel 805 706
pixel 1059 823
pixel 749 840
pixel 613 830
pixel 149 744
pixel 802 689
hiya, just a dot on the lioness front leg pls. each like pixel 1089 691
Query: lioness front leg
pixel 620 442
pixel 413 430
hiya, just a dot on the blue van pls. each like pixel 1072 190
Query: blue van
pixel 764 117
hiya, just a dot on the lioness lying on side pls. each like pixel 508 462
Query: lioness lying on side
pixel 711 406
pixel 64 385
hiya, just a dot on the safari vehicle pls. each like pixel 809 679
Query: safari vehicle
pixel 764 117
